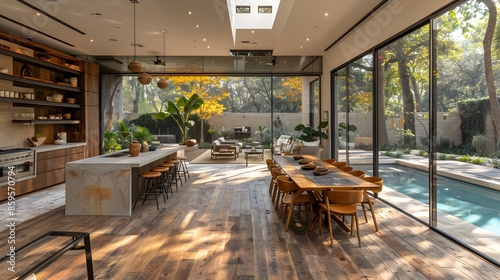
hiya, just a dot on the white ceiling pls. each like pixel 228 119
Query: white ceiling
pixel 300 33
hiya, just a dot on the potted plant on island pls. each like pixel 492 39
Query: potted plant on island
pixel 311 136
pixel 181 112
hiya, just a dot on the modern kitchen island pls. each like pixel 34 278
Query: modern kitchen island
pixel 109 184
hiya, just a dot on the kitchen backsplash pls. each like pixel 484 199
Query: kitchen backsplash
pixel 14 135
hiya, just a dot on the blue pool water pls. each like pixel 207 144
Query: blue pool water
pixel 472 203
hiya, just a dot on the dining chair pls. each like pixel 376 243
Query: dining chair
pixel 357 173
pixel 288 187
pixel 339 164
pixel 345 168
pixel 329 160
pixel 368 201
pixel 276 194
pixel 342 203
pixel 270 166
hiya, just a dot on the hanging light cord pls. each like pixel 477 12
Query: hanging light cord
pixel 164 56
pixel 134 35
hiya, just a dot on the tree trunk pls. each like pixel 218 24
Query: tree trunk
pixel 488 66
pixel 404 80
pixel 111 112
pixel 137 91
pixel 383 138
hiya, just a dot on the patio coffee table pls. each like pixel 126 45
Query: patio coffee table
pixel 259 152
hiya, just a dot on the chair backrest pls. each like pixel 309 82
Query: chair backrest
pixel 374 180
pixel 339 164
pixel 345 168
pixel 330 160
pixel 285 184
pixel 357 173
pixel 344 196
pixel 276 171
pixel 316 151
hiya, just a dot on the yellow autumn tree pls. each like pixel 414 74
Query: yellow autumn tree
pixel 208 88
pixel 292 92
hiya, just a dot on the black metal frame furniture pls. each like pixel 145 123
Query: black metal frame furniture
pixel 73 245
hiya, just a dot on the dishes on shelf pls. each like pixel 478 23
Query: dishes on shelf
pixel 70 100
pixel 4 70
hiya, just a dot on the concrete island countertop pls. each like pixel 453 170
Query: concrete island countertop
pixel 123 158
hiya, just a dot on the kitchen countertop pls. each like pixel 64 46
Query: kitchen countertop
pixel 53 147
pixel 123 158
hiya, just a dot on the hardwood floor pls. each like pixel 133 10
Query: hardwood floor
pixel 222 225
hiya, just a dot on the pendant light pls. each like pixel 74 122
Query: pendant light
pixel 162 83
pixel 134 66
pixel 145 78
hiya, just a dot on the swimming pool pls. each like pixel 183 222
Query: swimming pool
pixel 472 203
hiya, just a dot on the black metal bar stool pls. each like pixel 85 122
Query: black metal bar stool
pixel 176 172
pixel 183 169
pixel 163 184
pixel 172 175
pixel 149 188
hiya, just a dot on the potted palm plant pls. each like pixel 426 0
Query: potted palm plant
pixel 181 112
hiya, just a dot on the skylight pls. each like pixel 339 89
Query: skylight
pixel 252 14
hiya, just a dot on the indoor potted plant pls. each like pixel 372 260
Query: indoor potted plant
pixel 311 136
pixel 181 112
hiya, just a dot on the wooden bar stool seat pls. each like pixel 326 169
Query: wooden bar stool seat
pixel 149 188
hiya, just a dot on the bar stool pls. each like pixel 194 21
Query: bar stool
pixel 149 188
pixel 183 169
pixel 172 174
pixel 175 172
pixel 164 177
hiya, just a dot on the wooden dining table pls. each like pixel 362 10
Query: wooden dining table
pixel 335 179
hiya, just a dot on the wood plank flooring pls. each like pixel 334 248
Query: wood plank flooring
pixel 222 225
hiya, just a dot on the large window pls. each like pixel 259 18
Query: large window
pixel 437 123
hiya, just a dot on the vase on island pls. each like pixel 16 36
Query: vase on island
pixel 134 149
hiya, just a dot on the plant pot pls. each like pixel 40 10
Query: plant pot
pixel 190 142
pixel 134 149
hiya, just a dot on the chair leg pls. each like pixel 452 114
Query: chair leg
pixel 330 227
pixel 357 228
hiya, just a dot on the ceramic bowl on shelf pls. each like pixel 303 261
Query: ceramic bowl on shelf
pixel 4 70
pixel 49 98
pixel 70 100
pixel 66 116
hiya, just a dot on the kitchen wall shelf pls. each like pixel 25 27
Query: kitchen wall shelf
pixel 28 102
pixel 38 62
pixel 47 121
pixel 37 82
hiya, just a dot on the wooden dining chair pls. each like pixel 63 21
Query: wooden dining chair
pixel 369 201
pixel 357 173
pixel 276 194
pixel 342 203
pixel 345 168
pixel 339 164
pixel 272 183
pixel 329 160
pixel 288 187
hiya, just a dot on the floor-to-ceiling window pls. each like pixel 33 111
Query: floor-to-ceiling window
pixel 438 137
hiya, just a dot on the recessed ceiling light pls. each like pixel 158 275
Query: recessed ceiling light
pixel 326 14
pixel 189 13
pixel 253 31
pixel 307 39
pixel 38 14
pixel 204 39
pixel 301 47
pixel 208 47
pixel 91 40
pixel 197 25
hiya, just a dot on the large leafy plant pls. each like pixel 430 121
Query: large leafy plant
pixel 311 134
pixel 181 112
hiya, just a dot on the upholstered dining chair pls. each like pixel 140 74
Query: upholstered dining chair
pixel 342 203
pixel 288 187
pixel 270 166
pixel 368 201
